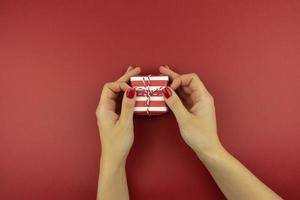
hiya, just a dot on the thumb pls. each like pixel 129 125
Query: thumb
pixel 174 103
pixel 128 105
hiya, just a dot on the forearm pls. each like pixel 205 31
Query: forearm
pixel 235 180
pixel 112 181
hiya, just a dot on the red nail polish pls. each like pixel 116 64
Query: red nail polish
pixel 167 92
pixel 130 93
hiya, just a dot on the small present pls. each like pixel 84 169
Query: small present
pixel 149 96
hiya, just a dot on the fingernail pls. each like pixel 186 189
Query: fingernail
pixel 167 92
pixel 130 93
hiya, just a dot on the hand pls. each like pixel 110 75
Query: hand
pixel 194 111
pixel 116 131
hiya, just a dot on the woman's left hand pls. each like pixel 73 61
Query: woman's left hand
pixel 116 130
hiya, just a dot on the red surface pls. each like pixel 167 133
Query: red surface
pixel 56 55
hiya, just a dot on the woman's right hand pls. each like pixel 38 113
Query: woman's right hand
pixel 196 118
pixel 194 110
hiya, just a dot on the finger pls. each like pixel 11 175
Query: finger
pixel 167 71
pixel 190 81
pixel 175 104
pixel 129 68
pixel 109 94
pixel 111 90
pixel 128 105
pixel 132 72
pixel 182 93
pixel 186 89
pixel 173 75
pixel 186 97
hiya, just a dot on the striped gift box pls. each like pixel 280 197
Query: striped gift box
pixel 149 97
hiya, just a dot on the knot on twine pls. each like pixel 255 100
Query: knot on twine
pixel 147 92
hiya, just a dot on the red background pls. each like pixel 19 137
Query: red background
pixel 56 55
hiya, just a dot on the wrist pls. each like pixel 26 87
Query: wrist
pixel 112 161
pixel 111 166
pixel 212 153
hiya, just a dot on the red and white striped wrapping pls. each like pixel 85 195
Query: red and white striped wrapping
pixel 149 97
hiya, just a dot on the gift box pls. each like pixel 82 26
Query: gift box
pixel 149 96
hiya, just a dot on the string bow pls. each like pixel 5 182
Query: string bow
pixel 148 93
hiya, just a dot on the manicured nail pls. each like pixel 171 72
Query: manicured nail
pixel 130 93
pixel 167 92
